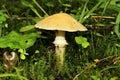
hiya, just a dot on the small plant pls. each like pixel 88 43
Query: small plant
pixel 19 42
pixel 83 41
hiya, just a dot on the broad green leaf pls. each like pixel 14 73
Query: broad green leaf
pixel 28 40
pixel 13 45
pixel 14 40
pixel 10 40
pixel 3 43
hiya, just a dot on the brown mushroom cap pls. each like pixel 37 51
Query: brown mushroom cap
pixel 60 21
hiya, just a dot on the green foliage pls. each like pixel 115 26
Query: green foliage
pixel 17 32
pixel 3 17
pixel 17 41
pixel 117 24
pixel 27 28
pixel 95 77
pixel 86 13
pixel 82 40
pixel 13 40
pixel 17 74
pixel 33 67
pixel 23 53
pixel 27 4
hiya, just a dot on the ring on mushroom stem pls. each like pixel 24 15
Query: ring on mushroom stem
pixel 61 22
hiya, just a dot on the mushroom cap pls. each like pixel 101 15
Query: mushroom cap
pixel 60 21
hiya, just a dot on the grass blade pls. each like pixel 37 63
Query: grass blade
pixel 92 10
pixel 40 7
pixel 116 27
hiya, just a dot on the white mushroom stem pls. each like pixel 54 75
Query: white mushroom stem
pixel 60 44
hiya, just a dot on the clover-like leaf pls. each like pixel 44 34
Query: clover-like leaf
pixel 85 44
pixel 82 40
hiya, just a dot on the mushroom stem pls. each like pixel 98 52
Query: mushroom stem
pixel 60 44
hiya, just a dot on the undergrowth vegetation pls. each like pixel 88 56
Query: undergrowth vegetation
pixel 90 55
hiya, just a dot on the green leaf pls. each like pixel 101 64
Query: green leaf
pixel 10 40
pixel 28 40
pixel 27 28
pixel 25 3
pixel 100 24
pixel 3 17
pixel 14 40
pixel 82 40
pixel 116 27
pixel 85 44
pixel 21 50
pixel 114 78
pixel 66 5
pixel 22 56
pixel 50 4
pixel 95 77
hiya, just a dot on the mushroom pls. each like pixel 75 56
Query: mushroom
pixel 9 60
pixel 61 22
